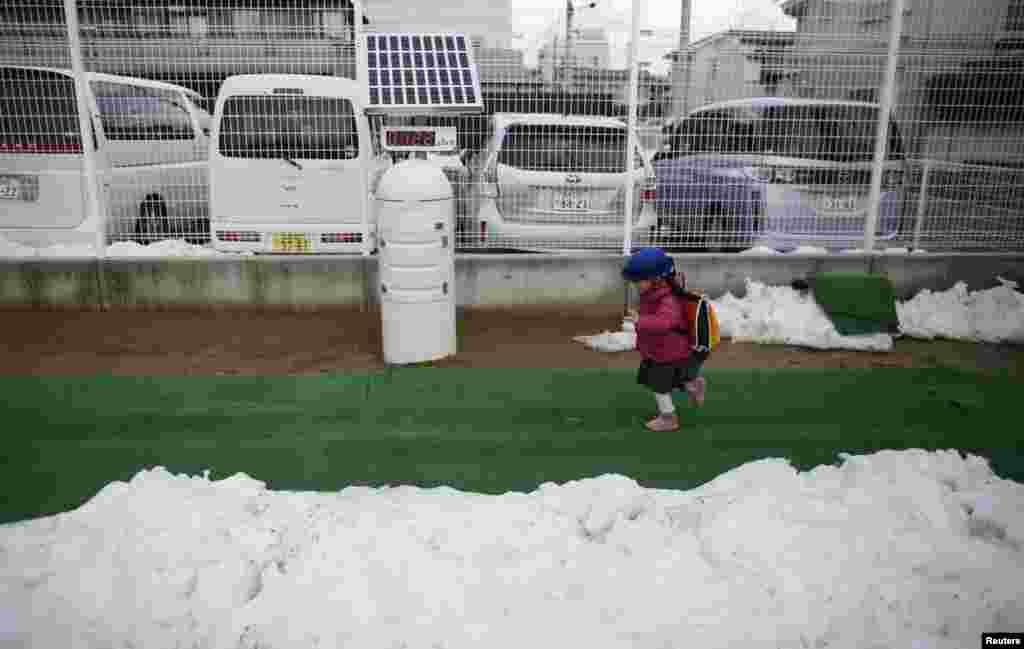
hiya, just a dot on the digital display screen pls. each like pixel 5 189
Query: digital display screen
pixel 404 138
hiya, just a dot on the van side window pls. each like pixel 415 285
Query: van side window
pixel 130 112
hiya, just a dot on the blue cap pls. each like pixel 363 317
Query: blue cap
pixel 649 263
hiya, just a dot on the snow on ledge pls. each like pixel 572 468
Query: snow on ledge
pixel 783 315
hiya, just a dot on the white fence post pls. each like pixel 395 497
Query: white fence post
pixel 94 214
pixel 888 98
pixel 922 203
pixel 359 49
pixel 631 141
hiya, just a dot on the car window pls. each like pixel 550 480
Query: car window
pixel 822 132
pixel 842 133
pixel 38 113
pixel 130 112
pixel 543 147
pixel 264 126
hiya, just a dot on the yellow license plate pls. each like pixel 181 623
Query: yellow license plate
pixel 290 243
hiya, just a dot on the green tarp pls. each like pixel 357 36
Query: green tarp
pixel 857 303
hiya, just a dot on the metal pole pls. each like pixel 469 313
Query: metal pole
pixel 634 74
pixel 85 131
pixel 885 111
pixel 569 10
pixel 360 78
pixel 922 201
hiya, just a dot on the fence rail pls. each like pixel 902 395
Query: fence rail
pixel 759 131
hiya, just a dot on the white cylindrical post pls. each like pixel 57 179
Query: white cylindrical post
pixel 94 213
pixel 888 98
pixel 417 263
pixel 922 204
pixel 631 143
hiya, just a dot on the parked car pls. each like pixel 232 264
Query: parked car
pixel 291 163
pixel 777 172
pixel 149 145
pixel 546 181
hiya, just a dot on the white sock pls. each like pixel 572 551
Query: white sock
pixel 665 405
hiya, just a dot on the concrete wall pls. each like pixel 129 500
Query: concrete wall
pixel 481 280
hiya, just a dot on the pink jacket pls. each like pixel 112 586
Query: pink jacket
pixel 661 332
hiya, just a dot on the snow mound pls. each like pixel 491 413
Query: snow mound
pixel 767 314
pixel 896 549
pixel 783 315
pixel 164 248
pixel 808 250
pixel 11 249
pixel 760 250
pixel 993 315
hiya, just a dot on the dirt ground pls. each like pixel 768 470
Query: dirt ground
pixel 248 342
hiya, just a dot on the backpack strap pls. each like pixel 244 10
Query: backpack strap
pixel 703 326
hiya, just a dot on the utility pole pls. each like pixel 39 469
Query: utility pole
pixel 681 65
pixel 570 11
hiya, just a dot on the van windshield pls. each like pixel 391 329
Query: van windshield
pixel 828 132
pixel 38 113
pixel 289 127
pixel 564 148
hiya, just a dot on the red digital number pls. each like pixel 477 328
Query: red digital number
pixel 410 138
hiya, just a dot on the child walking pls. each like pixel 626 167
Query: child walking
pixel 671 359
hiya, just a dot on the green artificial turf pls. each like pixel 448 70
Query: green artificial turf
pixel 481 430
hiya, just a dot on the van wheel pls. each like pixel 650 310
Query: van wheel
pixel 152 224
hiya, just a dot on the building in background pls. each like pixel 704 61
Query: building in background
pixel 959 78
pixel 590 51
pixel 196 44
pixel 491 21
pixel 736 64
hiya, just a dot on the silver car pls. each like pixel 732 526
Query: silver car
pixel 548 181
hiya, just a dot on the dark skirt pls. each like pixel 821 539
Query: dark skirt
pixel 662 378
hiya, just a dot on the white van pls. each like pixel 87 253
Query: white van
pixel 291 166
pixel 150 151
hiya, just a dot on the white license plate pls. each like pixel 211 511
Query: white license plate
pixel 839 203
pixel 9 188
pixel 571 200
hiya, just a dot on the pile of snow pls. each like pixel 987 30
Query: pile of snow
pixel 815 250
pixel 783 315
pixel 994 315
pixel 164 248
pixel 611 341
pixel 786 316
pixel 767 314
pixel 809 250
pixel 896 549
pixel 760 250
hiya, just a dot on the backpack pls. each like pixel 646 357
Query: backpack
pixel 703 323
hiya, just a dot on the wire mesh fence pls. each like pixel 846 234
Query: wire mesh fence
pixel 793 125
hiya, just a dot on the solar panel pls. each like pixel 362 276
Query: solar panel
pixel 421 74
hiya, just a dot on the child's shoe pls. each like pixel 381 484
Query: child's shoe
pixel 663 424
pixel 695 390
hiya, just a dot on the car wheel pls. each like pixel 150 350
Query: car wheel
pixel 152 224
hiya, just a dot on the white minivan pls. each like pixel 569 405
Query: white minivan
pixel 291 164
pixel 149 146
